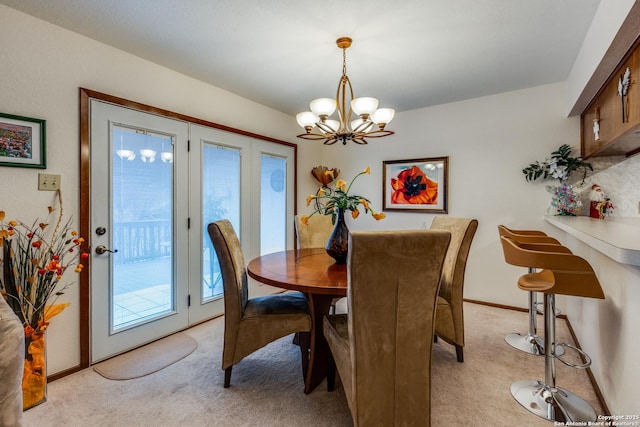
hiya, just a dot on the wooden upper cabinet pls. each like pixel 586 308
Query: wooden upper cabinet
pixel 618 117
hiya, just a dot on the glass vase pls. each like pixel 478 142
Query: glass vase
pixel 34 378
pixel 338 243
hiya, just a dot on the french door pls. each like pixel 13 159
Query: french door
pixel 139 226
pixel 156 183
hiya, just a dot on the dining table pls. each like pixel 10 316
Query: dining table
pixel 313 272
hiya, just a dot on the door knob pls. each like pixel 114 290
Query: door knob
pixel 102 249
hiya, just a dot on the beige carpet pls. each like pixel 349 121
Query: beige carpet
pixel 148 359
pixel 267 387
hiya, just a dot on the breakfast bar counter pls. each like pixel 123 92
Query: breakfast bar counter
pixel 616 237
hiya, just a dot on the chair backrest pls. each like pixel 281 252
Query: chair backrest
pixel 462 232
pixel 527 236
pixel 572 274
pixel 393 285
pixel 233 269
pixel 315 233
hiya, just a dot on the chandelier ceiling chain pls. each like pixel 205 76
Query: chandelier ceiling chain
pixel 344 130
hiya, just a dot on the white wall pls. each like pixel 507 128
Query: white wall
pixel 41 68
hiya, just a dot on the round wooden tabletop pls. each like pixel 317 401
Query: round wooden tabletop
pixel 306 270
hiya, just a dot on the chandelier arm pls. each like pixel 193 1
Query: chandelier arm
pixel 330 141
pixel 360 129
pixel 325 128
pixel 312 136
pixel 359 140
pixel 378 133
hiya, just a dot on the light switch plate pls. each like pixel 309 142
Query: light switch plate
pixel 48 182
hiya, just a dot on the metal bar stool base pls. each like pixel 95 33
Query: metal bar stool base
pixel 553 404
pixel 525 342
pixel 529 344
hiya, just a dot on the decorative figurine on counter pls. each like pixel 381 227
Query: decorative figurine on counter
pixel 600 204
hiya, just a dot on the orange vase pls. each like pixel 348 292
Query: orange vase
pixel 34 377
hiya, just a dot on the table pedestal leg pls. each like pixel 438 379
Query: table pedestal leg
pixel 318 355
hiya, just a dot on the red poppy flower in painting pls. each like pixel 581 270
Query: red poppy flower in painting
pixel 412 186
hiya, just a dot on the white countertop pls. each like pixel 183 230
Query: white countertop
pixel 616 237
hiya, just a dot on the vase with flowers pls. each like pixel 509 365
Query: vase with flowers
pixel 34 259
pixel 335 202
pixel 560 166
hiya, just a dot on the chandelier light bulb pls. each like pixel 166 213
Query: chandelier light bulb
pixel 333 124
pixel 307 119
pixel 364 106
pixel 323 106
pixel 382 116
pixel 359 125
pixel 166 157
pixel 126 154
pixel 147 155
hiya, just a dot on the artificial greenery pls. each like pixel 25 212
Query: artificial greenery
pixel 560 166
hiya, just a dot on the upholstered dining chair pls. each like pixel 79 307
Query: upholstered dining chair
pixel 449 311
pixel 314 234
pixel 252 323
pixel 384 365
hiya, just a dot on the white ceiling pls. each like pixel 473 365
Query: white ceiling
pixel 282 53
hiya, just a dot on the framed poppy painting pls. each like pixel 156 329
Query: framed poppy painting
pixel 417 185
pixel 22 142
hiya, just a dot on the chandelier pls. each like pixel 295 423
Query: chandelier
pixel 370 124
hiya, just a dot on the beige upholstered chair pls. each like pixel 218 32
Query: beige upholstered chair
pixel 315 233
pixel 383 362
pixel 11 365
pixel 450 314
pixel 250 324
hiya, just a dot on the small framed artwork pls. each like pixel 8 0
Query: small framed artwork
pixel 22 142
pixel 415 185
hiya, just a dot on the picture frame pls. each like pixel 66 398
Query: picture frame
pixel 22 142
pixel 415 185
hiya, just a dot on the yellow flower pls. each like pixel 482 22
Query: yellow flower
pixel 367 170
pixel 74 233
pixel 13 223
pixel 378 216
pixel 309 199
pixel 355 213
pixel 2 214
pixel 304 220
pixel 341 185
pixel 364 203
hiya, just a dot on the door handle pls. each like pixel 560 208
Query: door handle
pixel 102 249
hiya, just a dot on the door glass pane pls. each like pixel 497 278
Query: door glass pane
pixel 220 200
pixel 142 195
pixel 273 204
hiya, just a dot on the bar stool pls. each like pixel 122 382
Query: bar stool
pixel 530 342
pixel 564 274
